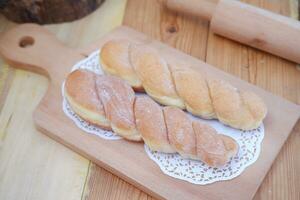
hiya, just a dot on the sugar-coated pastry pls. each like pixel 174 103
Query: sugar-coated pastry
pixel 118 98
pixel 154 74
pixel 192 87
pixel 114 59
pixel 196 140
pixel 178 85
pixel 151 124
pixel 180 132
pixel 212 148
pixel 230 145
pixel 256 107
pixel 242 110
pixel 81 94
pixel 169 130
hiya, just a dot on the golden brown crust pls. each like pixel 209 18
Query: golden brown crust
pixel 255 106
pixel 180 131
pixel 79 85
pixel 118 98
pixel 211 147
pixel 151 125
pixel 154 74
pixel 81 95
pixel 191 86
pixel 241 110
pixel 183 87
pixel 114 59
pixel 166 129
pixel 230 145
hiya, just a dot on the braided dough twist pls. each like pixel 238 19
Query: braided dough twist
pixel 169 84
pixel 110 103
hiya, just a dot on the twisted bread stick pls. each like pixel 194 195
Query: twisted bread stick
pixel 182 87
pixel 165 129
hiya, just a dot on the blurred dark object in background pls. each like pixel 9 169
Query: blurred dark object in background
pixel 47 11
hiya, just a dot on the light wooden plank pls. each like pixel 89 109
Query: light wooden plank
pixel 33 166
pixel 6 77
pixel 294 8
pixel 179 31
pixel 104 185
pixel 86 30
pixel 273 74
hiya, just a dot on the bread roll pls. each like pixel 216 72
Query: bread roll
pixel 166 129
pixel 118 98
pixel 211 147
pixel 151 125
pixel 170 130
pixel 192 87
pixel 80 92
pixel 180 132
pixel 242 110
pixel 155 76
pixel 180 86
pixel 114 60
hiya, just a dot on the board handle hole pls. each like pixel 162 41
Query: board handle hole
pixel 26 41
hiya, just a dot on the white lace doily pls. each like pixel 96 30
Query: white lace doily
pixel 198 172
pixel 174 165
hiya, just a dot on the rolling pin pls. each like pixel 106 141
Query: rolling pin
pixel 246 24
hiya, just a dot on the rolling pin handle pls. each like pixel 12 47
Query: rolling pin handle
pixel 200 8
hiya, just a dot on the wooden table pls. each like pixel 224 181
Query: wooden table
pixel 33 166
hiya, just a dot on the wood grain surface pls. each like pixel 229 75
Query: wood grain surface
pixel 126 159
pixel 34 167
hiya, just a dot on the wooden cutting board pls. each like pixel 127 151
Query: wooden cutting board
pixel 33 47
